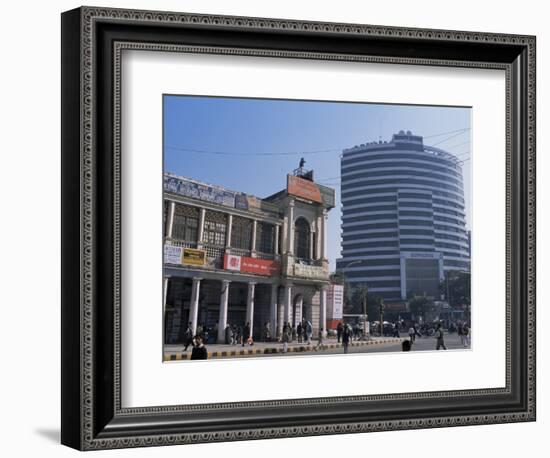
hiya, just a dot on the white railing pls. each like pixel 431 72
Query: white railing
pixel 261 255
pixel 181 243
pixel 240 251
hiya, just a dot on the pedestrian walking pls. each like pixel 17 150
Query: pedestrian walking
pixel 346 336
pixel 466 331
pixel 309 331
pixel 285 337
pixel 412 334
pixel 439 336
pixel 199 350
pixel 267 331
pixel 460 332
pixel 238 335
pixel 339 330
pixel 228 335
pixel 188 337
pixel 396 329
pixel 300 332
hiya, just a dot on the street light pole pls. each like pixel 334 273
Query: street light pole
pixel 381 310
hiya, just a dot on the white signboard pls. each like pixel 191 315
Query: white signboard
pixel 172 254
pixel 233 262
pixel 335 299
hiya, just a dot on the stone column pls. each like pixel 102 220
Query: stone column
pixel 324 234
pixel 280 318
pixel 194 305
pixel 320 236
pixel 165 292
pixel 290 213
pixel 170 219
pixel 288 303
pixel 323 310
pixel 311 242
pixel 222 321
pixel 228 231
pixel 202 215
pixel 253 244
pixel 250 306
pixel 273 309
pixel 276 244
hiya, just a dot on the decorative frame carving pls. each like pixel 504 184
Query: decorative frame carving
pixel 93 40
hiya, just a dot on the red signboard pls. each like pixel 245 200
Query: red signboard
pixel 251 265
pixel 306 189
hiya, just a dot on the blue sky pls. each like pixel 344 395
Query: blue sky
pixel 250 145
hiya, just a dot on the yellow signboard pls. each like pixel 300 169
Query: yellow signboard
pixel 193 257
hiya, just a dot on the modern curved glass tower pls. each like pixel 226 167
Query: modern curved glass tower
pixel 403 217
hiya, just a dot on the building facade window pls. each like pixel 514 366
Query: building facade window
pixel 215 227
pixel 186 223
pixel 265 237
pixel 301 238
pixel 241 233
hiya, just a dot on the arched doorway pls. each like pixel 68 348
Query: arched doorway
pixel 297 306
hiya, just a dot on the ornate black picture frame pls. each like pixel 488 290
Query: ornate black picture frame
pixel 92 41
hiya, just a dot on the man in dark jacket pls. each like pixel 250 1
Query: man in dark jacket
pixel 346 337
pixel 199 350
pixel 339 330
pixel 439 335
pixel 246 334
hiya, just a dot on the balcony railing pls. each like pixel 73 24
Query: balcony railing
pixel 181 243
pixel 215 253
pixel 309 262
pixel 261 255
pixel 240 251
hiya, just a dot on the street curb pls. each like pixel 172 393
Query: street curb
pixel 272 350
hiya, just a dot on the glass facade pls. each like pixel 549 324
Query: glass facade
pixel 407 196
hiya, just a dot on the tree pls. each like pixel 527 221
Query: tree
pixel 421 305
pixel 456 288
pixel 356 303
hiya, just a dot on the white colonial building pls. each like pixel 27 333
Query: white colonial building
pixel 231 257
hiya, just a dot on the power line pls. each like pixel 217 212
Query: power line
pixel 447 139
pixel 293 153
pixel 233 153
pixel 445 133
pixel 459 144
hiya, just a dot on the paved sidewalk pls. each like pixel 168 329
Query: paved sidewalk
pixel 177 353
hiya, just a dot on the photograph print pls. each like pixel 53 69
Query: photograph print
pixel 306 228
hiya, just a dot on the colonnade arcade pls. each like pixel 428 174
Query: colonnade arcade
pixel 204 301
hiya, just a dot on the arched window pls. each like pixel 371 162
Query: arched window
pixel 301 238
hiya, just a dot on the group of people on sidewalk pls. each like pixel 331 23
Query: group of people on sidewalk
pixel 463 331
pixel 237 335
pixel 302 333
